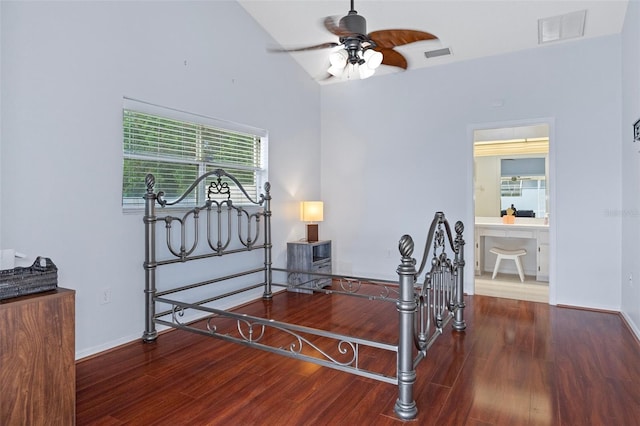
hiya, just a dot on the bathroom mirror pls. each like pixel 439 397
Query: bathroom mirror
pixel 523 185
pixel 511 168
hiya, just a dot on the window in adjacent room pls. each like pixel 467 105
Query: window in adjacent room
pixel 177 147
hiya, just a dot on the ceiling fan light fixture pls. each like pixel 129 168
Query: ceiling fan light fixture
pixel 336 71
pixel 365 72
pixel 353 62
pixel 373 59
pixel 356 56
pixel 349 71
pixel 339 58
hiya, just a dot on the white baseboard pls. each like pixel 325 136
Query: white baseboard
pixel 634 327
pixel 106 346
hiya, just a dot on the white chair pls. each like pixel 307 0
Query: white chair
pixel 508 254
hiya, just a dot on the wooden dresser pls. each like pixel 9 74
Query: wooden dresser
pixel 37 359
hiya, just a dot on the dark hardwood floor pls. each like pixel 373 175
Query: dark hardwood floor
pixel 518 363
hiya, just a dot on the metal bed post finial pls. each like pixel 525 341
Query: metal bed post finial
pixel 267 242
pixel 458 322
pixel 150 333
pixel 405 406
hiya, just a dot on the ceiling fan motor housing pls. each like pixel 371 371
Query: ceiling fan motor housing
pixel 354 23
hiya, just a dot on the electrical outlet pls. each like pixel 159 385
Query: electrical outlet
pixel 105 296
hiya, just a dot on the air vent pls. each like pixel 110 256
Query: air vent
pixel 438 52
pixel 561 27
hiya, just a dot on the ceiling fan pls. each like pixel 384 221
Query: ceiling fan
pixel 360 52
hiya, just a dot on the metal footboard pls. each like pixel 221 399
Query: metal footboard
pixel 425 310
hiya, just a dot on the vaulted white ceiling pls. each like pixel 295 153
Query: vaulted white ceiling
pixel 471 28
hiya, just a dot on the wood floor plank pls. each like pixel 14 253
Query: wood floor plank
pixel 544 408
pixel 352 406
pixel 518 363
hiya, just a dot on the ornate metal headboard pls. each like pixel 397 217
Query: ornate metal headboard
pixel 253 231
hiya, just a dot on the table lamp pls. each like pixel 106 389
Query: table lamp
pixel 312 212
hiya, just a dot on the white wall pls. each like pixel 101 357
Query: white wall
pixel 397 148
pixel 630 207
pixel 487 186
pixel 1 49
pixel 66 67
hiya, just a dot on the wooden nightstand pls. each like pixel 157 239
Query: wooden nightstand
pixel 312 257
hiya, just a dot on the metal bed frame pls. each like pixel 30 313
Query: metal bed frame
pixel 427 299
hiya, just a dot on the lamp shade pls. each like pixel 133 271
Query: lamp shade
pixel 373 59
pixel 336 71
pixel 365 72
pixel 339 58
pixel 312 211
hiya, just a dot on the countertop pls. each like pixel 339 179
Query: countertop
pixel 521 222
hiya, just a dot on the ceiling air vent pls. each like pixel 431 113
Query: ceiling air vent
pixel 561 27
pixel 438 52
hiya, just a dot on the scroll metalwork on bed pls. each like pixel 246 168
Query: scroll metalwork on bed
pixel 218 211
pixel 322 347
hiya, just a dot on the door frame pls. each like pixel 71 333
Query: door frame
pixel 470 219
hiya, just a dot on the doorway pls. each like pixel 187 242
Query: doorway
pixel 512 211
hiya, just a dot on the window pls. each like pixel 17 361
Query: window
pixel 177 147
pixel 510 187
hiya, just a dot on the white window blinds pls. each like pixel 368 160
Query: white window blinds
pixel 177 150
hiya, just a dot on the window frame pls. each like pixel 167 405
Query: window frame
pixel 141 107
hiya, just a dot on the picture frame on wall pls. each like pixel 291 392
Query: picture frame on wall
pixel 636 131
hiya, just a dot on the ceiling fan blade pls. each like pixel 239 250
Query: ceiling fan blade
pixel 392 58
pixel 302 49
pixel 392 38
